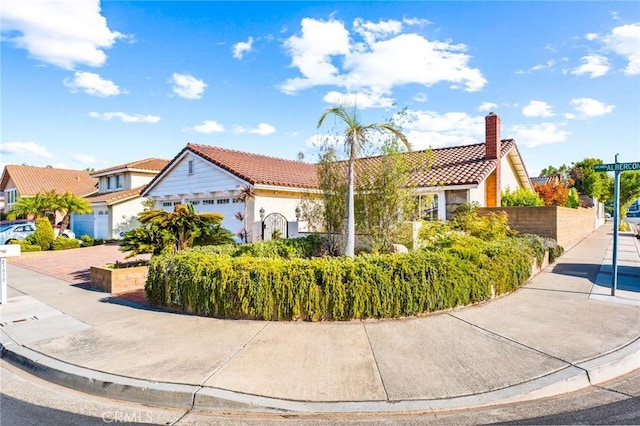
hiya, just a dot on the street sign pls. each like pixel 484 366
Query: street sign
pixel 616 167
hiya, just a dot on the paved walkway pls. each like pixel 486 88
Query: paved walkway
pixel 560 332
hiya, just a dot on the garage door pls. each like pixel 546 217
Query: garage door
pixel 226 207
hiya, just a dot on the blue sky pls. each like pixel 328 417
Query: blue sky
pixel 96 84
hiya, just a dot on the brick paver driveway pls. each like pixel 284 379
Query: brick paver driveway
pixel 71 265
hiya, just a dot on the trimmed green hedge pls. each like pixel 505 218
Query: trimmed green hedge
pixel 62 243
pixel 342 288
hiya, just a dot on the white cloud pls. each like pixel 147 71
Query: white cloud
pixel 361 100
pixel 625 41
pixel 588 107
pixel 63 33
pixel 92 84
pixel 84 158
pixel 594 65
pixel 207 127
pixel 187 86
pixel 25 149
pixel 420 97
pixel 426 129
pixel 263 129
pixel 374 58
pixel 241 47
pixel 124 117
pixel 591 36
pixel 537 109
pixel 487 106
pixel 550 63
pixel 538 134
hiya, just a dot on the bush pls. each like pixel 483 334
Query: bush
pixel 87 241
pixel 43 235
pixel 65 243
pixel 310 246
pixel 520 197
pixel 26 247
pixel 367 286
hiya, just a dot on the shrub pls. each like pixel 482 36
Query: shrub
pixel 87 241
pixel 367 286
pixel 521 197
pixel 555 252
pixel 490 227
pixel 43 235
pixel 65 243
pixel 573 200
pixel 26 247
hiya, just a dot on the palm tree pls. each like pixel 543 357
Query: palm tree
pixel 68 204
pixel 356 135
pixel 31 207
pixel 183 224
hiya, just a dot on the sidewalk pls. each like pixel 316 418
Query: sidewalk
pixel 561 332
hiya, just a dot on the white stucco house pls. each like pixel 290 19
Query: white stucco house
pixel 117 202
pixel 210 178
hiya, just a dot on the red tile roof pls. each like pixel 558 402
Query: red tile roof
pixel 30 180
pixel 116 196
pixel 148 164
pixel 259 169
pixel 461 165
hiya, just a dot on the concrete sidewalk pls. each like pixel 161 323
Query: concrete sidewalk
pixel 561 332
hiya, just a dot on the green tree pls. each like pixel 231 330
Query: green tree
pixel 589 182
pixel 68 204
pixel 31 207
pixel 246 194
pixel 356 136
pixel 563 171
pixel 385 194
pixel 629 189
pixel 184 225
pixel 521 197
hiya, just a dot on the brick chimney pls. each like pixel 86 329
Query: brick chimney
pixel 492 151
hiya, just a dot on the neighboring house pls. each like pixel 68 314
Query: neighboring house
pixel 210 178
pixel 555 179
pixel 117 202
pixel 28 181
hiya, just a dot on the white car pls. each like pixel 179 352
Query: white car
pixel 19 231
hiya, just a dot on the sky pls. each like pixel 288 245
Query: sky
pixel 89 84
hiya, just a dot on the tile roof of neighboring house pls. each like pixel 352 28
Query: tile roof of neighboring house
pixel 543 180
pixel 461 165
pixel 116 196
pixel 30 180
pixel 148 164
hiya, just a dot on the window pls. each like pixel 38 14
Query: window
pixel 190 167
pixel 194 202
pixel 428 206
pixel 167 204
pixel 223 201
pixel 109 182
pixel 119 179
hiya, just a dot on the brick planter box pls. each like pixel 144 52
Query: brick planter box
pixel 120 280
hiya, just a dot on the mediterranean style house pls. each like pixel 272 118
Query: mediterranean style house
pixel 117 201
pixel 211 179
pixel 28 181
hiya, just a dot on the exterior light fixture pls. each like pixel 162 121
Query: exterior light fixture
pixel 297 213
pixel 261 213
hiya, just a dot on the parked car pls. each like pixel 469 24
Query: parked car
pixel 19 231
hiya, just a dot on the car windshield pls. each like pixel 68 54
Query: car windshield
pixel 5 227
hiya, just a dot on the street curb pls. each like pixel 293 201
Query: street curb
pixel 568 379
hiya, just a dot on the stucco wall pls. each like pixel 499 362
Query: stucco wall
pixel 567 226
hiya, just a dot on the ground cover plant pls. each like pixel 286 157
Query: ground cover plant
pixel 464 261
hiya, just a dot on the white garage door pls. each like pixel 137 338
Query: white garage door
pixel 226 207
pixel 101 224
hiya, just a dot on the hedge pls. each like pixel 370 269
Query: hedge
pixel 62 243
pixel 336 288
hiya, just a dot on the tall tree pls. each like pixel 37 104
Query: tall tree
pixel 68 204
pixel 356 136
